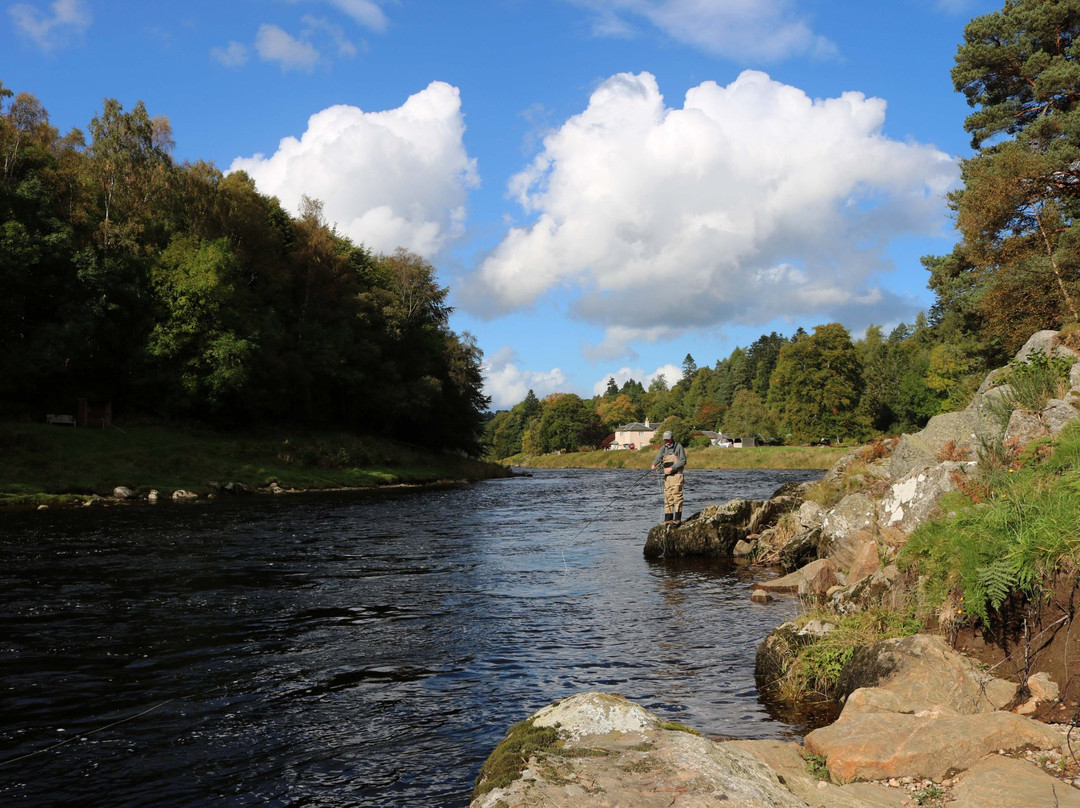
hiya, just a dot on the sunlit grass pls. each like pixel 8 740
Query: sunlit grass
pixel 713 457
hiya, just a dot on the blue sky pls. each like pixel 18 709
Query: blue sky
pixel 604 185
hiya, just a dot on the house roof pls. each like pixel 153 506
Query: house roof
pixel 636 426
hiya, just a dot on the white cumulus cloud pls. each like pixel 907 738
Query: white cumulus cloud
pixel 508 384
pixel 750 202
pixel 51 29
pixel 396 178
pixel 766 30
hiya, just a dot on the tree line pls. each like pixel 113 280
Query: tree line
pixel 175 291
pixel 1015 270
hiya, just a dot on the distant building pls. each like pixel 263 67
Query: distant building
pixel 634 436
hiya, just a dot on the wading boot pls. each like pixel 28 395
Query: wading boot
pixel 678 518
pixel 667 519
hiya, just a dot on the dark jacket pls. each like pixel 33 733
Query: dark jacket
pixel 676 449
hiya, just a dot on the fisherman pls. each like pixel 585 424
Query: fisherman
pixel 672 457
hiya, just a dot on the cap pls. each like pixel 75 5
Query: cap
pixel 667 436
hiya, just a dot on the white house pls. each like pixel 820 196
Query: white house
pixel 634 436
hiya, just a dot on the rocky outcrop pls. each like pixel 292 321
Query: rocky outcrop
pixel 597 750
pixel 607 751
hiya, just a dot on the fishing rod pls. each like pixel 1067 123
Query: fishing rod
pixel 588 523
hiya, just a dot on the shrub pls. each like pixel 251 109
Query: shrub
pixel 1036 381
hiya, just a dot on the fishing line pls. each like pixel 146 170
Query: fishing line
pixel 83 735
pixel 634 481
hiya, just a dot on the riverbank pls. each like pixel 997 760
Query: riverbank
pixel 712 457
pixel 43 464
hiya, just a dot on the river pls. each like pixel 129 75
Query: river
pixel 355 649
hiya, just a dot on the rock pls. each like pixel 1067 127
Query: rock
pixel 760 596
pixel 932 744
pixel 1042 687
pixel 867 561
pixel 42 507
pixel 1004 782
pixel 153 495
pixel 810 515
pixel 785 758
pixel 1043 342
pixel 1058 414
pixel 610 752
pixel 743 548
pixel 818 577
pixel 882 588
pixel 913 499
pixel 846 527
pixel 765 514
pixel 122 492
pixel 801 550
pixel 1023 428
pixel 924 673
pixel 713 532
pixel 818 571
pixel 180 495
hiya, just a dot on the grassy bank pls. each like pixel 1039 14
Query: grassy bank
pixel 40 463
pixel 713 457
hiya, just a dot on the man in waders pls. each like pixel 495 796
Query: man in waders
pixel 672 457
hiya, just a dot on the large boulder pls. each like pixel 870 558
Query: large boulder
pixel 712 532
pixel 918 709
pixel 913 499
pixel 930 744
pixel 603 750
pixel 925 673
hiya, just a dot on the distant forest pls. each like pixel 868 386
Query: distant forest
pixel 175 292
pixel 1015 270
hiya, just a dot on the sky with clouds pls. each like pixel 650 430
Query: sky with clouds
pixel 604 185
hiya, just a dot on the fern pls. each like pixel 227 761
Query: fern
pixel 996 581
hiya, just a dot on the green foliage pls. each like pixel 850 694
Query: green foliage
pixel 812 670
pixel 1025 527
pixel 818 766
pixel 817 384
pixel 1014 272
pixel 173 291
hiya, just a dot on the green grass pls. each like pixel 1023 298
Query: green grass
pixel 713 457
pixel 43 464
pixel 1009 532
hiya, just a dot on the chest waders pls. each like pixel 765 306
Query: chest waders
pixel 673 486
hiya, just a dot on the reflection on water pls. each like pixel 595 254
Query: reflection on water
pixel 355 649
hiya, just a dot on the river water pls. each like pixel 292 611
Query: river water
pixel 356 649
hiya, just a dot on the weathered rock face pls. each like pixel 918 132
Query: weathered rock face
pixel 918 709
pixel 933 744
pixel 1003 782
pixel 925 673
pixel 914 498
pixel 610 752
pixel 847 527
